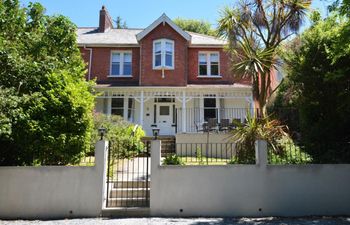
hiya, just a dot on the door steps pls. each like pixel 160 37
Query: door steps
pixel 168 144
pixel 129 194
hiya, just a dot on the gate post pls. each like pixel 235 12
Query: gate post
pixel 101 154
pixel 261 152
pixel 155 163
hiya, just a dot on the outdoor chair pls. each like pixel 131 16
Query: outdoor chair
pixel 202 128
pixel 212 124
pixel 224 125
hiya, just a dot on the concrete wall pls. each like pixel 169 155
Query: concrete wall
pixel 53 191
pixel 249 190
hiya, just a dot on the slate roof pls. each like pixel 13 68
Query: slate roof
pixel 90 36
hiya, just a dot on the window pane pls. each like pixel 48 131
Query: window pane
pixel 115 68
pixel 169 47
pixel 157 47
pixel 214 57
pixel 202 58
pixel 117 102
pixel 169 60
pixel 127 68
pixel 164 110
pixel 127 57
pixel 203 69
pixel 158 61
pixel 116 57
pixel 209 113
pixel 214 69
pixel 210 102
pixel 118 112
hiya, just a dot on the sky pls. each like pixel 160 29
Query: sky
pixel 141 13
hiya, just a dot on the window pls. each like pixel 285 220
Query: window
pixel 164 110
pixel 118 106
pixel 163 54
pixel 209 108
pixel 208 63
pixel 164 100
pixel 121 64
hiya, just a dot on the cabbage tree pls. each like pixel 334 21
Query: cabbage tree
pixel 255 29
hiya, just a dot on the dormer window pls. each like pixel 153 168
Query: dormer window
pixel 121 64
pixel 163 54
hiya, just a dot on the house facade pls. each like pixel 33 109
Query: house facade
pixel 162 76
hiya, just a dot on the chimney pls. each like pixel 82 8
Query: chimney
pixel 106 22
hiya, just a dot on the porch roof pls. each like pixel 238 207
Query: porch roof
pixel 190 91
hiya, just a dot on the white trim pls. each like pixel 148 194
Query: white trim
pixel 120 76
pixel 208 53
pixel 163 19
pixel 208 76
pixel 206 46
pixel 90 61
pixel 121 67
pixel 163 42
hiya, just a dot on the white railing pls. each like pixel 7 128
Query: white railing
pixel 196 117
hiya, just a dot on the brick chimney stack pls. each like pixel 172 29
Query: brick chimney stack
pixel 106 21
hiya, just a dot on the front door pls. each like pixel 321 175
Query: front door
pixel 165 119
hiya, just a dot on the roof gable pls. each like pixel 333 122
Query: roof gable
pixel 163 19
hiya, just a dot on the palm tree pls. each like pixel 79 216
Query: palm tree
pixel 255 29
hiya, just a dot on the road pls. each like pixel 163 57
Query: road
pixel 187 221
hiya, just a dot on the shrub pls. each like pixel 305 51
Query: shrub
pixel 199 156
pixel 245 135
pixel 173 159
pixel 124 137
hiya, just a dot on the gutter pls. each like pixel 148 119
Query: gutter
pixel 90 60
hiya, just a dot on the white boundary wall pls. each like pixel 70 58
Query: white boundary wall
pixel 53 191
pixel 249 190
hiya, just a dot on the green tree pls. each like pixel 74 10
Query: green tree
pixel 196 26
pixel 318 73
pixel 255 29
pixel 120 24
pixel 46 104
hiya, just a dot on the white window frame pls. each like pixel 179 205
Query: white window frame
pixel 163 42
pixel 209 75
pixel 121 69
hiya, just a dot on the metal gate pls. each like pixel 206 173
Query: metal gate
pixel 128 175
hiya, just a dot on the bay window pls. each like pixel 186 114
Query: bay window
pixel 163 54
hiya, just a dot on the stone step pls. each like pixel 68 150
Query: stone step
pixel 129 192
pixel 128 202
pixel 126 212
pixel 131 184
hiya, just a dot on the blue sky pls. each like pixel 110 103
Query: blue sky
pixel 141 13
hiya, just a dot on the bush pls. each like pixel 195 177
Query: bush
pixel 173 159
pixel 245 135
pixel 45 102
pixel 292 154
pixel 125 138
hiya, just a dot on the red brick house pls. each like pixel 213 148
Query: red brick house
pixel 162 76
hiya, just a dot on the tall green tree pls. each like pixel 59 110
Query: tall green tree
pixel 196 26
pixel 255 29
pixel 45 103
pixel 318 75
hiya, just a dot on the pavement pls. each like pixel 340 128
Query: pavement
pixel 188 221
